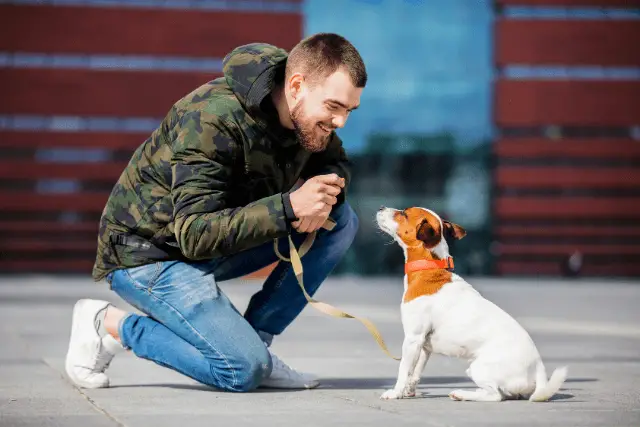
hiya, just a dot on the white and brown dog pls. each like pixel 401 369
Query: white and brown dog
pixel 441 313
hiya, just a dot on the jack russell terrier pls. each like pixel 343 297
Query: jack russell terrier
pixel 441 313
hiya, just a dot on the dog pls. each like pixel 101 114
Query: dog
pixel 441 313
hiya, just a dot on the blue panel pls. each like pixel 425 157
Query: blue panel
pixel 429 65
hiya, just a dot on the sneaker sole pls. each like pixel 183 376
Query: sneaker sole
pixel 78 307
pixel 309 386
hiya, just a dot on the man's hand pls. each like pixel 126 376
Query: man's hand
pixel 312 202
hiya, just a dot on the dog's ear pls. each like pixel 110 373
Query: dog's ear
pixel 453 230
pixel 426 233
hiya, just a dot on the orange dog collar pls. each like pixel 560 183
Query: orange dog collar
pixel 428 264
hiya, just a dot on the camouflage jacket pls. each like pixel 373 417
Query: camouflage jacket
pixel 213 179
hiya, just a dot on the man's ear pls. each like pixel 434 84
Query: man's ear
pixel 296 85
pixel 427 234
pixel 453 230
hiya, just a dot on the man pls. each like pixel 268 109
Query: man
pixel 239 162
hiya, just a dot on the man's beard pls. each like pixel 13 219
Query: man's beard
pixel 307 133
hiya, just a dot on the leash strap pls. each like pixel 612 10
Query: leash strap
pixel 295 259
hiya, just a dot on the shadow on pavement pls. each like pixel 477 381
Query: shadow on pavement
pixel 375 384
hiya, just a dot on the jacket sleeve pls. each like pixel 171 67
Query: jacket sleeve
pixel 332 160
pixel 202 167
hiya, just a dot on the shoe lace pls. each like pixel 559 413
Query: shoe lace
pixel 103 360
pixel 279 364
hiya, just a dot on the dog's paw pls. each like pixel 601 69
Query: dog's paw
pixel 410 389
pixel 409 392
pixel 391 394
pixel 457 395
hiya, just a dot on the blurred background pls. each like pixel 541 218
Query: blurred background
pixel 517 119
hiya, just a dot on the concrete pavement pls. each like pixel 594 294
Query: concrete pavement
pixel 593 326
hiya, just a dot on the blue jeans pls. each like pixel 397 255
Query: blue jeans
pixel 193 328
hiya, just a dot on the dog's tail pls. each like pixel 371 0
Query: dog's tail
pixel 546 389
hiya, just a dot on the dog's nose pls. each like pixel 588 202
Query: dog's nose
pixel 381 208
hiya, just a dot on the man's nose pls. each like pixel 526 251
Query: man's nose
pixel 339 121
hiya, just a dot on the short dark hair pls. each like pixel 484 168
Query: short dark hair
pixel 321 54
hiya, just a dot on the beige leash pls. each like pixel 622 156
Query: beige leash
pixel 295 259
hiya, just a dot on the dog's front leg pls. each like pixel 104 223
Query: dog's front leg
pixel 411 349
pixel 415 334
pixel 425 353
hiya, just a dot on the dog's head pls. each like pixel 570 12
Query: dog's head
pixel 418 227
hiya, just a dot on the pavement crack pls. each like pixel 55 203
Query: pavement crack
pixel 368 405
pixel 88 398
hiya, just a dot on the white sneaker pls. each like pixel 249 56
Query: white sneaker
pixel 89 355
pixel 283 376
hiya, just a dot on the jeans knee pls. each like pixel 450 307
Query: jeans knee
pixel 254 368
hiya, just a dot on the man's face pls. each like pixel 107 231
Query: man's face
pixel 322 107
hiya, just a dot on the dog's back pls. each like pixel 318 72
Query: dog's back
pixel 459 310
pixel 469 326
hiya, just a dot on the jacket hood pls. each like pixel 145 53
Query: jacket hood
pixel 250 70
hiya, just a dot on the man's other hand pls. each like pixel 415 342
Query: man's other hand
pixel 312 202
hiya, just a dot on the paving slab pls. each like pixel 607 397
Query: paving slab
pixel 593 326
